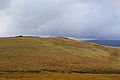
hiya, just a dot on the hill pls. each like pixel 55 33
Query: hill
pixel 115 43
pixel 33 54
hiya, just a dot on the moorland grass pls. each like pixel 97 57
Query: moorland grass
pixel 58 76
pixel 59 54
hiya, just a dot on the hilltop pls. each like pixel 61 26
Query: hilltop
pixel 57 55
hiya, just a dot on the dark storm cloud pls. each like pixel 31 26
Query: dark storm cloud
pixel 97 19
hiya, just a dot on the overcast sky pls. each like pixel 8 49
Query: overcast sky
pixel 94 19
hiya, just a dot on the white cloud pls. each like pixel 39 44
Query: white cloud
pixel 4 3
pixel 75 18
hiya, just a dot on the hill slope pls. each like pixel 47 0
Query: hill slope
pixel 57 54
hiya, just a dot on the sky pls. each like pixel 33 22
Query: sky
pixel 89 19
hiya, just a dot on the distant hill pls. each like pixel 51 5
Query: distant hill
pixel 114 43
pixel 57 54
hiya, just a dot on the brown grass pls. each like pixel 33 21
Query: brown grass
pixel 28 53
pixel 58 76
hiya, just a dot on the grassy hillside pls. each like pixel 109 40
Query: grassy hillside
pixel 57 54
